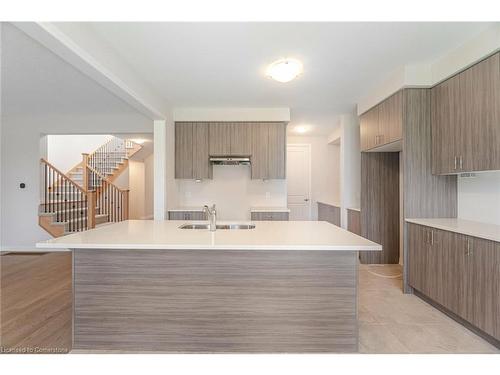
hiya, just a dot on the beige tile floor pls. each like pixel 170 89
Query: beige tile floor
pixel 393 322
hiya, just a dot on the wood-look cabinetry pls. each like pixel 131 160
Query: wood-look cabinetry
pixel 269 216
pixel 264 142
pixel 230 139
pixel 459 272
pixel 329 213
pixel 268 150
pixel 186 215
pixel 465 117
pixel 354 221
pixel 382 124
pixel 191 151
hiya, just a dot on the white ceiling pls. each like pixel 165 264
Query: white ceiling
pixel 222 64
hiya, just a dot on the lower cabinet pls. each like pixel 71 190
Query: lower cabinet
pixel 269 216
pixel 329 213
pixel 354 221
pixel 186 215
pixel 459 272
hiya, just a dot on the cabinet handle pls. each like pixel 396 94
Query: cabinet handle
pixel 432 237
pixel 461 164
pixel 455 167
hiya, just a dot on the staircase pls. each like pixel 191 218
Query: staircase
pixel 86 196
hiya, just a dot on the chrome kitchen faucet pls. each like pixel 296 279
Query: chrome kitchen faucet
pixel 211 217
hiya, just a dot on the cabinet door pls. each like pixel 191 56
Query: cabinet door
pixel 482 96
pixel 220 138
pixel 260 135
pixel 241 139
pixel 439 243
pixel 369 128
pixel 448 125
pixel 201 162
pixel 483 285
pixel 418 253
pixel 277 150
pixel 354 222
pixel 395 104
pixel 455 271
pixel 184 150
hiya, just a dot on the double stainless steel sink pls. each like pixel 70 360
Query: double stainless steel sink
pixel 218 226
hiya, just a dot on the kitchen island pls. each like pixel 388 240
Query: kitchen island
pixel 282 286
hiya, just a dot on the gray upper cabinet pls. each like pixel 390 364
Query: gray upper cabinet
pixel 465 118
pixel 264 142
pixel 241 139
pixel 260 150
pixel 184 150
pixel 191 151
pixel 268 150
pixel 383 123
pixel 230 139
pixel 277 150
pixel 482 98
pixel 369 128
pixel 220 138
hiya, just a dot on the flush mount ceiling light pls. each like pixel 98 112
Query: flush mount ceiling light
pixel 301 129
pixel 284 70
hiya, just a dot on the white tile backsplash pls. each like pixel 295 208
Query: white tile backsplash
pixel 232 190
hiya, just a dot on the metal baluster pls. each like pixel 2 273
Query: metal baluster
pixel 46 187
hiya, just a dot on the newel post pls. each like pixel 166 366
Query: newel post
pixel 91 202
pixel 85 162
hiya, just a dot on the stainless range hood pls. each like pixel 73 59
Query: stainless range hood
pixel 230 160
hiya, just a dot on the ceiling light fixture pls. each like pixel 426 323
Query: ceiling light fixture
pixel 301 129
pixel 284 70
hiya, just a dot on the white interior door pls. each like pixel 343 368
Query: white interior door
pixel 298 172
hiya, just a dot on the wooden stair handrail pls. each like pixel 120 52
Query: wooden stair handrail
pixel 64 176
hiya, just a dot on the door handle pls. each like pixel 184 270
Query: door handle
pixel 306 199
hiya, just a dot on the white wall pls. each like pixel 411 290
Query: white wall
pixel 325 170
pixel 232 190
pixel 350 164
pixel 430 73
pixel 149 187
pixel 136 186
pixel 479 197
pixel 65 151
pixel 44 95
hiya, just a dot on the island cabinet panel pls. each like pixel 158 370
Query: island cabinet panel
pixel 465 117
pixel 191 151
pixel 329 213
pixel 458 272
pixel 206 301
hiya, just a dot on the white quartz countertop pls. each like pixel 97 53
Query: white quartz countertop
pixel 267 235
pixel 467 227
pixel 329 203
pixel 269 209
